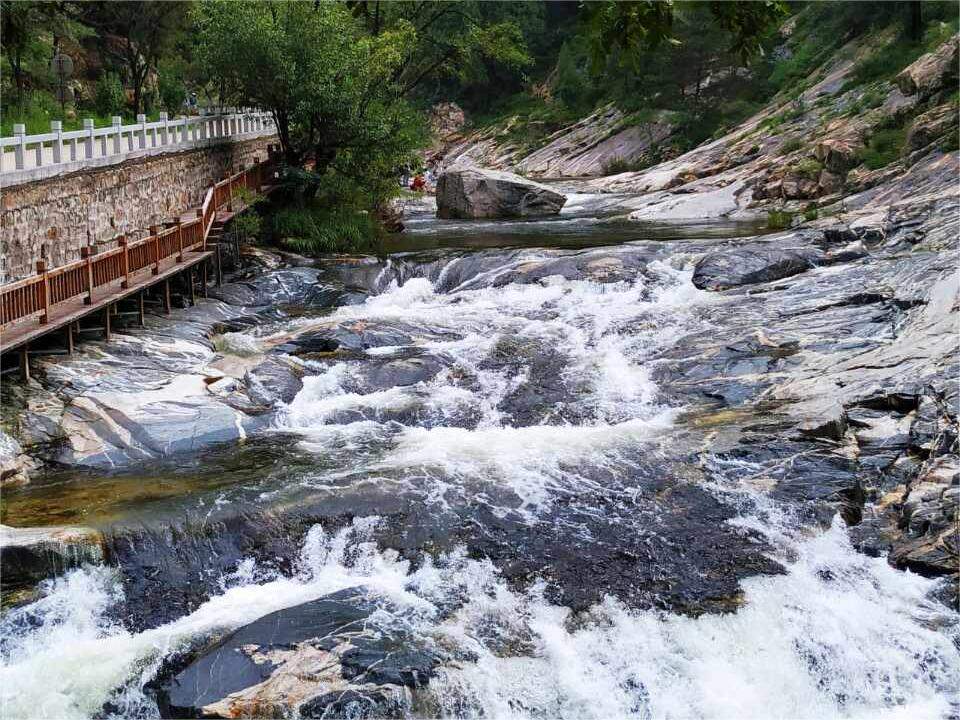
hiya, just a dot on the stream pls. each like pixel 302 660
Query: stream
pixel 487 438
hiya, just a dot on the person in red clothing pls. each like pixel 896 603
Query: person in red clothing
pixel 418 184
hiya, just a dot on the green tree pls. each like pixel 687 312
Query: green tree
pixel 623 26
pixel 108 96
pixel 332 88
pixel 468 42
pixel 146 31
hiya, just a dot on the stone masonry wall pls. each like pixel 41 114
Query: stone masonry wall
pixel 52 219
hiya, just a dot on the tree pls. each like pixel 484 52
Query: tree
pixel 332 87
pixel 20 23
pixel 463 41
pixel 627 25
pixel 138 35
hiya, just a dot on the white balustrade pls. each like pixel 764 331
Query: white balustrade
pixel 29 157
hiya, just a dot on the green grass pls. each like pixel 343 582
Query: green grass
pixel 617 165
pixel 317 230
pixel 791 145
pixel 884 147
pixel 809 168
pixel 779 220
pixel 37 113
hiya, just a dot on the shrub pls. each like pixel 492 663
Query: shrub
pixel 779 219
pixel 810 213
pixel 791 145
pixel 617 165
pixel 173 93
pixel 313 230
pixel 247 225
pixel 808 168
pixel 884 147
pixel 108 97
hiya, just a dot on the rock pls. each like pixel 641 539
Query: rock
pixel 830 182
pixel 272 381
pixel 839 154
pixel 932 125
pixel 751 264
pixel 15 466
pixel 106 429
pixel 932 72
pixel 446 119
pixel 897 105
pixel 29 555
pixel 479 193
pixel 930 543
pixel 325 658
pixel 799 187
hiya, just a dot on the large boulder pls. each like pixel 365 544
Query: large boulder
pixel 479 193
pixel 932 72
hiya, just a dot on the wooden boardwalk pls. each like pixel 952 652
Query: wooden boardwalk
pixel 57 300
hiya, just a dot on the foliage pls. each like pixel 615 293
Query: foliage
pixel 317 229
pixel 464 50
pixel 247 224
pixel 810 213
pixel 779 219
pixel 809 168
pixel 623 27
pixel 884 147
pixel 617 165
pixel 171 86
pixel 108 96
pixel 147 31
pixel 331 87
pixel 791 145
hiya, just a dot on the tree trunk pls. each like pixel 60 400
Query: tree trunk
pixel 916 20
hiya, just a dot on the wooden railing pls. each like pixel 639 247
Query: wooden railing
pixel 34 297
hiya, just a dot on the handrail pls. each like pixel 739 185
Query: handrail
pixel 45 150
pixel 34 296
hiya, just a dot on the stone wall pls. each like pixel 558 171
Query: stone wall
pixel 52 219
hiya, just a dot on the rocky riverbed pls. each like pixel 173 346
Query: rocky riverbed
pixel 601 464
pixel 411 485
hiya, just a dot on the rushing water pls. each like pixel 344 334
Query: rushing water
pixel 500 400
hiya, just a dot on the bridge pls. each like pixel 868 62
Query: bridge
pixel 125 272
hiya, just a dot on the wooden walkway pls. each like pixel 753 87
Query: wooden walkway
pixel 57 300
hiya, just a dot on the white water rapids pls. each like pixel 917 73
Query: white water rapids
pixel 839 634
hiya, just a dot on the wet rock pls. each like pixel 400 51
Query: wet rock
pixel 751 264
pixel 109 429
pixel 353 337
pixel 932 72
pixel 272 381
pixel 29 555
pixel 479 193
pixel 930 543
pixel 295 285
pixel 318 659
pixel 15 466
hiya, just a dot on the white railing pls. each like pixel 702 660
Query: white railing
pixel 31 157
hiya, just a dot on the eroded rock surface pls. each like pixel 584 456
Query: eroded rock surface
pixel 330 657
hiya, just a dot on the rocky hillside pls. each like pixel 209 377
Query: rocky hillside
pixel 836 138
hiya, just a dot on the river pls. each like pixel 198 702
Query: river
pixel 498 455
